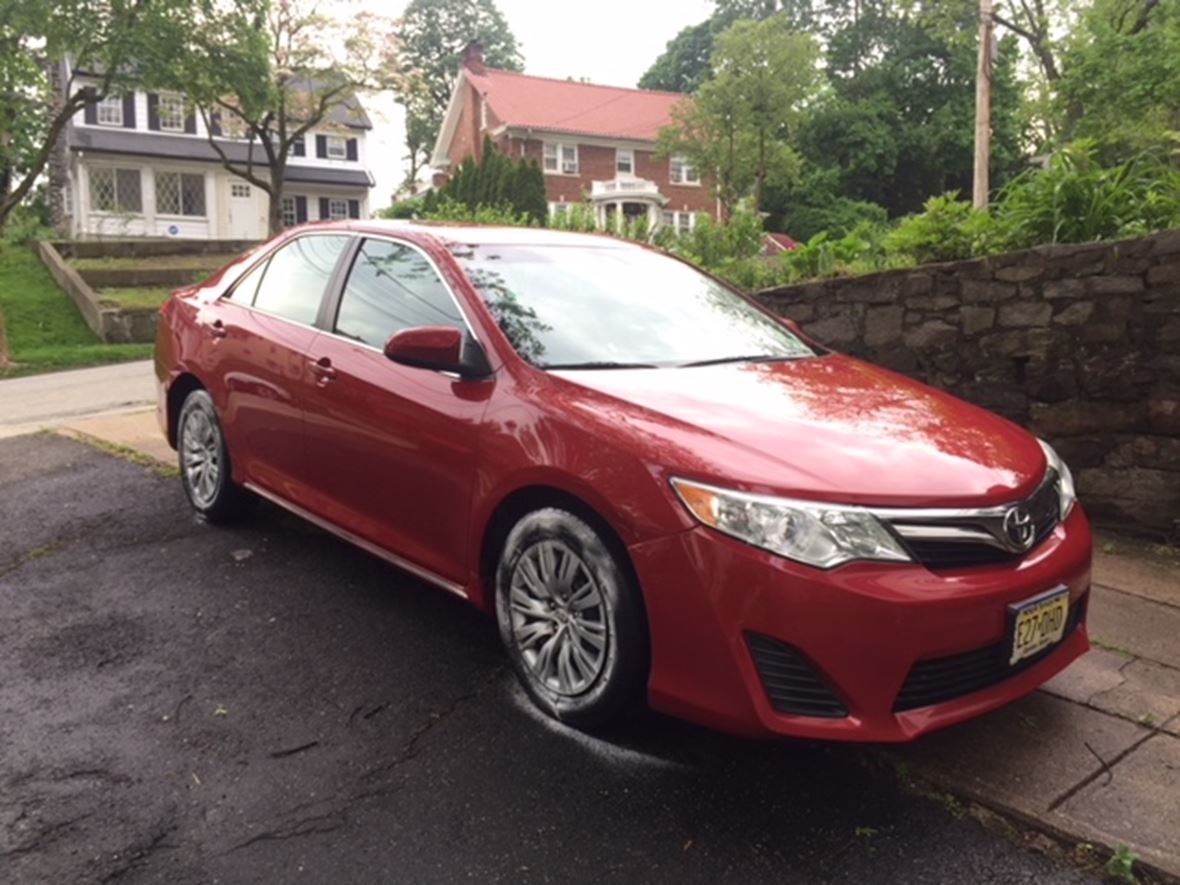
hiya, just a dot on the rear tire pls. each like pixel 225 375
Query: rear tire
pixel 206 471
pixel 571 620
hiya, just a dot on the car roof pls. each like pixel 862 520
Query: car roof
pixel 453 234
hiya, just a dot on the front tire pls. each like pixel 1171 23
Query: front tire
pixel 571 620
pixel 205 468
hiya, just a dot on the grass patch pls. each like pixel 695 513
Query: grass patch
pixel 45 330
pixel 127 453
pixel 141 296
pixel 156 262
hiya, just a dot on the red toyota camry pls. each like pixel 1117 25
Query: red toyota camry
pixel 664 494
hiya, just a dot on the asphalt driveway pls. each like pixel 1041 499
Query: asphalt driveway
pixel 267 704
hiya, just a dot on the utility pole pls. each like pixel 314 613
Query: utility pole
pixel 983 104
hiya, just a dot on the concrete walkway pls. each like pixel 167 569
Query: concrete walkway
pixel 59 398
pixel 1092 758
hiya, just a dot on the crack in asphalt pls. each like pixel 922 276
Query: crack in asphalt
pixel 44 835
pixel 331 820
pixel 135 854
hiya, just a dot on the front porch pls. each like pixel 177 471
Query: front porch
pixel 633 197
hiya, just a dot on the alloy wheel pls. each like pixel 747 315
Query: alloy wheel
pixel 201 445
pixel 559 618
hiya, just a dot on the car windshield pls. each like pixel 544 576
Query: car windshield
pixel 610 307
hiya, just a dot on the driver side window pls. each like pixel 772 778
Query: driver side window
pixel 393 287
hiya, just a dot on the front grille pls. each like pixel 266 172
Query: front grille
pixel 792 684
pixel 953 553
pixel 944 679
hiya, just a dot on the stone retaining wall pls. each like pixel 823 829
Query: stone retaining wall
pixel 113 326
pixel 1079 343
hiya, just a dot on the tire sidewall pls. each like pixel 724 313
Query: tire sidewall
pixel 623 674
pixel 199 400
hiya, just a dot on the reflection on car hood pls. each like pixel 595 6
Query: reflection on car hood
pixel 831 427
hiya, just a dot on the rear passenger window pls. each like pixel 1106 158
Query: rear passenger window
pixel 297 275
pixel 393 287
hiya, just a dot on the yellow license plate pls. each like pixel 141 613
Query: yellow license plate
pixel 1038 623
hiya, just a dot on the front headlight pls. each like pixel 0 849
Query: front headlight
pixel 822 535
pixel 1065 488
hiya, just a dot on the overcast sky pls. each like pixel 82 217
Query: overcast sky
pixel 606 41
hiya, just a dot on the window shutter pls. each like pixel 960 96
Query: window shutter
pixel 153 112
pixel 323 203
pixel 190 123
pixel 129 111
pixel 300 210
pixel 91 112
pixel 354 208
pixel 215 123
pixel 350 147
pixel 299 147
pixel 321 146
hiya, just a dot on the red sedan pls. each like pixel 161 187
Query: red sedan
pixel 663 493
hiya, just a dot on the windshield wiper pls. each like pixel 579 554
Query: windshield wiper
pixel 754 358
pixel 600 364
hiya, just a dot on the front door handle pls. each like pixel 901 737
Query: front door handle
pixel 322 369
pixel 217 329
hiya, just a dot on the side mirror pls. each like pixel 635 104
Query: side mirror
pixel 442 348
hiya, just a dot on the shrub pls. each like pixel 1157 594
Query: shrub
pixel 947 229
pixel 414 207
pixel 822 256
pixel 1078 200
pixel 448 209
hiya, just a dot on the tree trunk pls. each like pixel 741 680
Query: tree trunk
pixel 274 216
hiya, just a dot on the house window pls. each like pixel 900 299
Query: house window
pixel 232 125
pixel 290 218
pixel 681 222
pixel 680 172
pixel 337 209
pixel 180 193
pixel 170 111
pixel 558 209
pixel 337 149
pixel 110 111
pixel 561 158
pixel 115 190
pixel 239 190
pixel 624 161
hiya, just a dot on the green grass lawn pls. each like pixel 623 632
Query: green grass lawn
pixel 157 262
pixel 45 330
pixel 141 296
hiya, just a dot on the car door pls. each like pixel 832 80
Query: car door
pixel 391 449
pixel 260 332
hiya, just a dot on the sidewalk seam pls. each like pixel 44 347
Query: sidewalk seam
pixel 1111 589
pixel 1108 767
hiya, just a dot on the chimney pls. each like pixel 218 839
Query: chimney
pixel 473 57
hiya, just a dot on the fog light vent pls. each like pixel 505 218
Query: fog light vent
pixel 792 684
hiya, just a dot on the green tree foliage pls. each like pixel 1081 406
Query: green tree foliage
pixel 738 124
pixel 272 71
pixel 684 64
pixel 496 182
pixel 1121 79
pixel 429 44
pixel 123 39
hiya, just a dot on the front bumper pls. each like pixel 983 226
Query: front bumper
pixel 861 627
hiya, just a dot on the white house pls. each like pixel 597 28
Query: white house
pixel 140 164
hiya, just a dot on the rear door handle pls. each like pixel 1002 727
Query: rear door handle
pixel 217 329
pixel 322 369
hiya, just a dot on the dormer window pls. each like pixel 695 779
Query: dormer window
pixel 110 111
pixel 561 158
pixel 337 149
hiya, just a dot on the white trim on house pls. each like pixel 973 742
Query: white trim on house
pixel 439 158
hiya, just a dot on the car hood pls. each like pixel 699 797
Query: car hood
pixel 830 427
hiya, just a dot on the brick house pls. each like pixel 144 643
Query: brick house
pixel 594 143
pixel 140 164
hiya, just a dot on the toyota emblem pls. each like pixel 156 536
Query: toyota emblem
pixel 1019 528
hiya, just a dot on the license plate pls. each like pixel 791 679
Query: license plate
pixel 1038 623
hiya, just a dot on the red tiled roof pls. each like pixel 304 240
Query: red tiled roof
pixel 519 100
pixel 779 243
